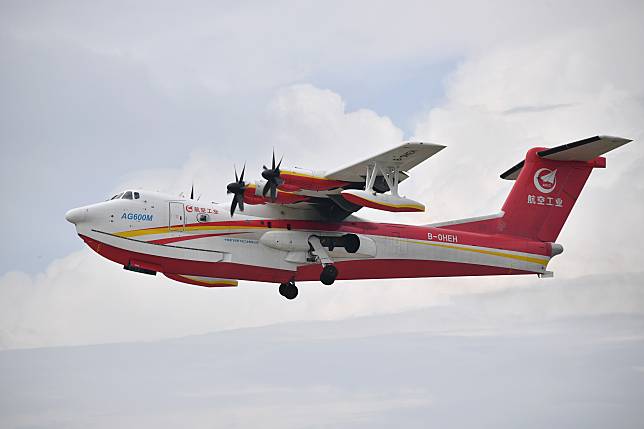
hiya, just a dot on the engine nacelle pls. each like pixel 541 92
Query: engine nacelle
pixel 387 202
pixel 253 195
pixel 296 180
pixel 298 241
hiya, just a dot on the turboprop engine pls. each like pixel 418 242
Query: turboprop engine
pixel 387 202
pixel 255 195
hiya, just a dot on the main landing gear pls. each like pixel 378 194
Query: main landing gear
pixel 288 290
pixel 329 271
pixel 328 274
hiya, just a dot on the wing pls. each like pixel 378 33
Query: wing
pixel 404 157
pixel 322 190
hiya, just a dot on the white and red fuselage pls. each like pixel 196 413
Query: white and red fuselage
pixel 190 239
pixel 204 244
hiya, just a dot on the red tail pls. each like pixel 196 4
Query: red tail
pixel 548 183
pixel 543 196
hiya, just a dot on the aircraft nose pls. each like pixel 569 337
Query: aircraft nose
pixel 76 215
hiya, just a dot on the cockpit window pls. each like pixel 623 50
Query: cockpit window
pixel 127 195
pixel 117 196
pixel 136 195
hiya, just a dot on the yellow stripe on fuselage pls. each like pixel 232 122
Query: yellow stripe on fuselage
pixel 179 228
pixel 530 259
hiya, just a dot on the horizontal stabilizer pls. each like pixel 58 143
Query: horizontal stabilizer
pixel 582 150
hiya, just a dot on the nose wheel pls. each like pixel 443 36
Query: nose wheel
pixel 288 290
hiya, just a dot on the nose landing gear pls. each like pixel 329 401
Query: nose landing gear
pixel 288 290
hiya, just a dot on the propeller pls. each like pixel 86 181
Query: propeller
pixel 272 176
pixel 192 192
pixel 237 188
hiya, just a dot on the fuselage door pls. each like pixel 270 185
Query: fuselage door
pixel 177 217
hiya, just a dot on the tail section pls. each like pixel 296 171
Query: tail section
pixel 548 183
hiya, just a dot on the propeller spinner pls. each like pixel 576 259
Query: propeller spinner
pixel 272 176
pixel 237 188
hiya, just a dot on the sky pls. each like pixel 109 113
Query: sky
pixel 100 96
pixel 486 360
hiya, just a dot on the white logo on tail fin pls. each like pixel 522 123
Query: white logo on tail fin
pixel 545 180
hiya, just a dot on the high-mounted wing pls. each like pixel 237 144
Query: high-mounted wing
pixel 404 157
pixel 369 183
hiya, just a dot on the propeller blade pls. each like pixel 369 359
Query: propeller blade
pixel 192 192
pixel 280 163
pixel 266 187
pixel 273 193
pixel 273 164
pixel 237 188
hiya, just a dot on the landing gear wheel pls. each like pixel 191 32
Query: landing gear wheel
pixel 288 290
pixel 351 243
pixel 329 274
pixel 283 288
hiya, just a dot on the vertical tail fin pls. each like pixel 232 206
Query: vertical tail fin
pixel 548 183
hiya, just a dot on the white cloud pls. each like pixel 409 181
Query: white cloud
pixel 247 47
pixel 505 97
pixel 547 92
pixel 314 125
pixel 82 298
pixel 563 354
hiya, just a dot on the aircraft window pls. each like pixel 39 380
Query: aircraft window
pixel 202 217
pixel 127 195
pixel 117 196
pixel 136 195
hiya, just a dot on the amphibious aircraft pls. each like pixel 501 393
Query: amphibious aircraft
pixel 294 225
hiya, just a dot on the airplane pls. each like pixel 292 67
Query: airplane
pixel 297 225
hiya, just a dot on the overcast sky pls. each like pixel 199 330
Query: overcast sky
pixel 99 96
pixel 530 357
